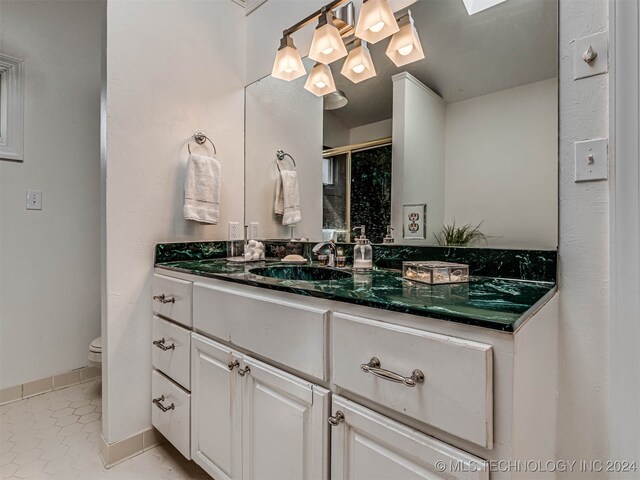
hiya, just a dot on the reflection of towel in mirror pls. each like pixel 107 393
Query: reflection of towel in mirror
pixel 202 189
pixel 287 201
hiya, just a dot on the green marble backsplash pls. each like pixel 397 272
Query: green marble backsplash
pixel 534 265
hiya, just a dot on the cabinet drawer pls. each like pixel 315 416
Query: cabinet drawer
pixel 366 445
pixel 288 333
pixel 171 351
pixel 456 394
pixel 171 412
pixel 172 299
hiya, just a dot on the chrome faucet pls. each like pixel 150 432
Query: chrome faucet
pixel 333 251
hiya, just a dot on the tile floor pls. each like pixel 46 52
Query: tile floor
pixel 55 436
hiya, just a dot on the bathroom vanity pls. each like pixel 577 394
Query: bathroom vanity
pixel 262 377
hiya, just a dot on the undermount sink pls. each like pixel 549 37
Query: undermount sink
pixel 306 273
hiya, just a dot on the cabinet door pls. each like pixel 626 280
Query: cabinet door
pixel 215 417
pixel 285 429
pixel 368 446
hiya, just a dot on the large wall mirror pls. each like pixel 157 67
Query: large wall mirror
pixel 466 137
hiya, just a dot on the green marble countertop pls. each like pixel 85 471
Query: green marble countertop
pixel 495 303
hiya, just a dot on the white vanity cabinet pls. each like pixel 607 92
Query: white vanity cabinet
pixel 282 386
pixel 251 420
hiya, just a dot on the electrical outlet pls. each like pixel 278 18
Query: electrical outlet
pixel 34 200
pixel 235 232
pixel 254 230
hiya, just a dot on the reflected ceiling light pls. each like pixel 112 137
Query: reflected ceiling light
pixel 320 81
pixel 405 46
pixel 475 6
pixel 327 45
pixel 376 21
pixel 288 64
pixel 335 100
pixel 358 66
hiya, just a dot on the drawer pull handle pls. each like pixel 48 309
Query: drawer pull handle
pixel 163 299
pixel 158 403
pixel 233 365
pixel 244 371
pixel 336 419
pixel 160 344
pixel 373 367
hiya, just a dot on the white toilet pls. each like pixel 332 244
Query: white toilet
pixel 95 352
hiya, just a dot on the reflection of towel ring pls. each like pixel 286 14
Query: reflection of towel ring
pixel 280 154
pixel 200 138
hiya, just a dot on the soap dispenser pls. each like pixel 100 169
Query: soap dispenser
pixel 362 252
pixel 389 236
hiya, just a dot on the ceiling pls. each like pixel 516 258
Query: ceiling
pixel 514 43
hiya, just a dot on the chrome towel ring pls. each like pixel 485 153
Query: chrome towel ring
pixel 200 138
pixel 280 154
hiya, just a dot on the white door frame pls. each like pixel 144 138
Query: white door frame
pixel 624 85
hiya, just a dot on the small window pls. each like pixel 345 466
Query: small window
pixel 327 171
pixel 11 108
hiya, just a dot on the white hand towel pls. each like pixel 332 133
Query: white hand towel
pixel 278 205
pixel 202 189
pixel 291 197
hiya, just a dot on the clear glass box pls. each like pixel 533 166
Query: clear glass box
pixel 435 273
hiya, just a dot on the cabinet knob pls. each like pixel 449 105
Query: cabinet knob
pixel 158 403
pixel 244 371
pixel 336 419
pixel 160 344
pixel 233 365
pixel 163 299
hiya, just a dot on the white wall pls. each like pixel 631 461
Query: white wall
pixel 583 427
pixel 371 132
pixel 502 165
pixel 418 172
pixel 283 116
pixel 172 68
pixel 49 259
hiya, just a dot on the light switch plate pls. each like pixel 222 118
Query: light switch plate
pixel 591 159
pixel 254 230
pixel 34 200
pixel 600 45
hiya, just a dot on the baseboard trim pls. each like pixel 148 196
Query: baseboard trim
pixel 114 453
pixel 44 385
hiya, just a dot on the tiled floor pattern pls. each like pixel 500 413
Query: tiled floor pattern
pixel 56 436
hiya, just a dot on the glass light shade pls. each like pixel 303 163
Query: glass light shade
pixel 327 45
pixel 405 47
pixel 358 66
pixel 376 21
pixel 475 6
pixel 288 64
pixel 320 81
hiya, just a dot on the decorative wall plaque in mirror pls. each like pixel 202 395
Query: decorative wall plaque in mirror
pixel 466 139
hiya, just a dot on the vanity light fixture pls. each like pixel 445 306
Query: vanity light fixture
pixel 334 100
pixel 288 64
pixel 376 21
pixel 405 46
pixel 475 6
pixel 359 66
pixel 320 81
pixel 327 45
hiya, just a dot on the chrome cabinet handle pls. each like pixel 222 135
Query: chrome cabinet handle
pixel 158 403
pixel 336 419
pixel 233 365
pixel 163 299
pixel 373 367
pixel 160 344
pixel 244 371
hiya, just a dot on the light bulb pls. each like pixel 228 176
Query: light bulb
pixel 327 51
pixel 406 50
pixel 359 68
pixel 377 27
pixel 321 84
pixel 288 70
